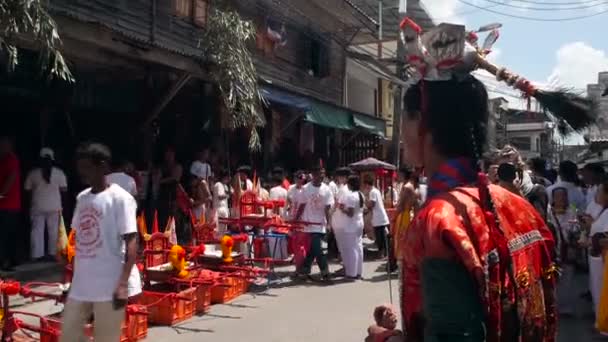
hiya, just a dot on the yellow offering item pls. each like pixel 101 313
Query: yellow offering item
pixel 226 244
pixel 177 258
pixel 70 250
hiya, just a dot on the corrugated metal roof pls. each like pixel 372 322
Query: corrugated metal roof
pixel 133 20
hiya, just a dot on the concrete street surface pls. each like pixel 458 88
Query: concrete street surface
pixel 306 312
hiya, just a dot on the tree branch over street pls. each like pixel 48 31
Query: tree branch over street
pixel 225 43
pixel 30 19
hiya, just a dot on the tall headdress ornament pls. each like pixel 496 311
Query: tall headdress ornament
pixel 449 52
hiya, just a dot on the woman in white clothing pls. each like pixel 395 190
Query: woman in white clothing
pixel 598 230
pixel 350 237
pixel 562 219
pixel 45 184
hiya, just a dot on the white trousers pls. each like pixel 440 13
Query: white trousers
pixel 106 326
pixel 350 245
pixel 40 221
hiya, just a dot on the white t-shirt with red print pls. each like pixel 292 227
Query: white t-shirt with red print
pixel 316 200
pixel 101 221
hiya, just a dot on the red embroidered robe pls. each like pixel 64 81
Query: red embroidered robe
pixel 452 226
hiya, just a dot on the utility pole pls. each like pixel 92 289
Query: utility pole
pixel 398 96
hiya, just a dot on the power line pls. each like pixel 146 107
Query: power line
pixel 466 12
pixel 547 8
pixel 533 18
pixel 552 3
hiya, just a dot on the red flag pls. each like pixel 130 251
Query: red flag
pixel 183 200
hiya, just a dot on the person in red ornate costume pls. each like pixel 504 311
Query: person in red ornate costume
pixel 478 260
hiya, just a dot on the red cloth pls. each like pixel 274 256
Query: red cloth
pixel 12 199
pixel 300 246
pixel 439 231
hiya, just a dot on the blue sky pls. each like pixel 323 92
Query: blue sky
pixel 568 53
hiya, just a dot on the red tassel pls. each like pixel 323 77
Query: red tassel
pixel 409 22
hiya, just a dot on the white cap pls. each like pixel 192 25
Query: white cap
pixel 46 152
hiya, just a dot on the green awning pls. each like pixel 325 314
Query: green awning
pixel 373 125
pixel 329 116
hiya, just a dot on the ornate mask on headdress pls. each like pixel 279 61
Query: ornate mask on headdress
pixel 449 52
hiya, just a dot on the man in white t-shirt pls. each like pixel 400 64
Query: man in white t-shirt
pixel 200 168
pixel 221 193
pixel 120 178
pixel 105 275
pixel 380 220
pixel 315 205
pixel 46 185
pixel 278 192
pixel 293 193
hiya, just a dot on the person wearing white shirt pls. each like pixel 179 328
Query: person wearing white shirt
pixel 598 229
pixel 350 235
pixel 278 192
pixel 339 220
pixel 293 194
pixel 562 219
pixel 592 174
pixel 46 186
pixel 299 239
pixel 200 168
pixel 568 174
pixel 122 179
pixel 105 275
pixel 315 201
pixel 380 220
pixel 221 194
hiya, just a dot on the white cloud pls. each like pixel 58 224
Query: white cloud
pixel 444 10
pixel 578 65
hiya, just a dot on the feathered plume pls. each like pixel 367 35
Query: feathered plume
pixel 572 111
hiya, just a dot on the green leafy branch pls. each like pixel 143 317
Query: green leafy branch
pixel 225 43
pixel 29 18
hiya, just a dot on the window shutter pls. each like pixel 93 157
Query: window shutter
pixel 304 52
pixel 182 8
pixel 200 12
pixel 325 60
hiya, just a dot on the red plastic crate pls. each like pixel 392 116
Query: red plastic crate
pixel 167 307
pixel 228 289
pixel 203 298
pixel 52 326
pixel 137 322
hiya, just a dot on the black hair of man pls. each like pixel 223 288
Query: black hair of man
pixel 95 152
pixel 595 168
pixel 300 174
pixel 507 172
pixel 456 115
pixel 343 171
pixel 246 169
pixel 406 172
pixel 369 180
pixel 568 171
pixel 278 171
pixel 222 174
pixel 277 180
pixel 538 165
